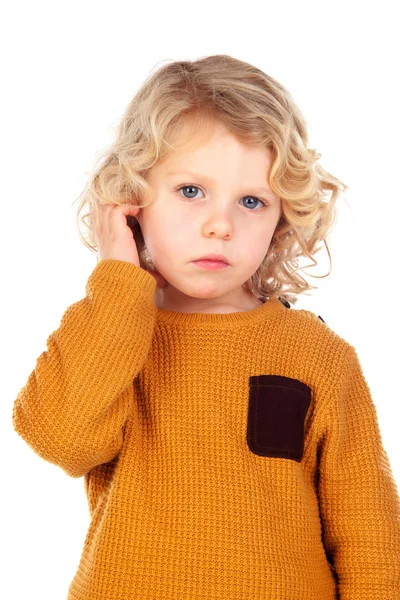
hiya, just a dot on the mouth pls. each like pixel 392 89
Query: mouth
pixel 217 258
pixel 210 264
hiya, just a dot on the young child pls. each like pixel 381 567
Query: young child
pixel 228 442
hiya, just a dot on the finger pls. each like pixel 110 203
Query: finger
pixel 118 216
pixel 102 218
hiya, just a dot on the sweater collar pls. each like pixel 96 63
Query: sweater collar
pixel 270 308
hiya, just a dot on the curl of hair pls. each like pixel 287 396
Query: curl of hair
pixel 259 111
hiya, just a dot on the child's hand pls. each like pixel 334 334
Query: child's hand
pixel 115 238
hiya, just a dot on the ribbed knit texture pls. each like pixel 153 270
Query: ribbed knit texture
pixel 152 407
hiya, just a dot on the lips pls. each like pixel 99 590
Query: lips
pixel 214 257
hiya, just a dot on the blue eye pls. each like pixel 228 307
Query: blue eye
pixel 195 187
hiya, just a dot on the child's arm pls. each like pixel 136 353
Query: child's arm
pixel 76 401
pixel 359 501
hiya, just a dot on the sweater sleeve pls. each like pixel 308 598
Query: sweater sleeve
pixel 358 496
pixel 75 403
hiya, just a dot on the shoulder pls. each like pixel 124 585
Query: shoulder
pixel 308 327
pixel 288 305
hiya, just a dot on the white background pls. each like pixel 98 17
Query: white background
pixel 68 71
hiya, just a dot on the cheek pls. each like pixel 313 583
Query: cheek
pixel 256 246
pixel 175 229
pixel 168 235
pixel 259 238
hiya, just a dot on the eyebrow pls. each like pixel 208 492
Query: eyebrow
pixel 260 190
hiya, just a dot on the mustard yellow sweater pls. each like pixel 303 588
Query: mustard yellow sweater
pixel 225 456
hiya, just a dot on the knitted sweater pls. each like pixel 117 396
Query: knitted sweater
pixel 225 456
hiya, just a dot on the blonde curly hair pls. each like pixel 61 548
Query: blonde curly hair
pixel 259 111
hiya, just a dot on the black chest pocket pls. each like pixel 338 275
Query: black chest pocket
pixel 277 409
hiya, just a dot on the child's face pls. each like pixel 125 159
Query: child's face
pixel 221 215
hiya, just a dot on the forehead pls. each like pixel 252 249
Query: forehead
pixel 192 133
pixel 199 139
